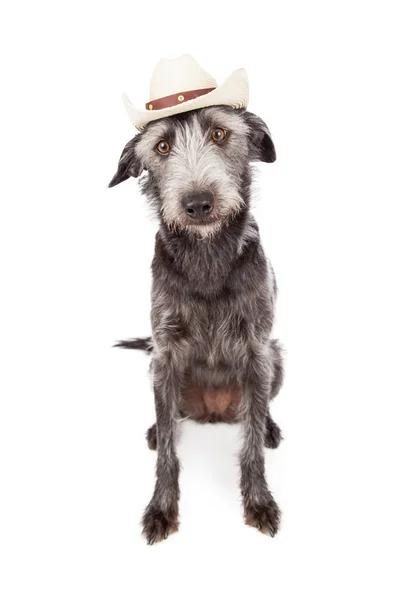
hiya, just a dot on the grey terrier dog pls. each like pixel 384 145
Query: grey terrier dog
pixel 213 298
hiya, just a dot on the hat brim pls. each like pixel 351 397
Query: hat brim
pixel 233 92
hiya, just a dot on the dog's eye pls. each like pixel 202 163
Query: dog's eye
pixel 218 134
pixel 163 147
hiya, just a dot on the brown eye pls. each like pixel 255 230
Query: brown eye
pixel 163 147
pixel 218 134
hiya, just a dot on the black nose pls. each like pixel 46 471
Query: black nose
pixel 198 206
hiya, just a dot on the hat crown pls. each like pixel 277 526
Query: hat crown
pixel 181 74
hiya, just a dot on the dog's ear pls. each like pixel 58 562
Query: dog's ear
pixel 261 145
pixel 129 164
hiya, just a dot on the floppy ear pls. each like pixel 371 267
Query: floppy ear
pixel 129 164
pixel 261 144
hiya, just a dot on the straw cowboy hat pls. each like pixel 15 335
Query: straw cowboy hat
pixel 180 85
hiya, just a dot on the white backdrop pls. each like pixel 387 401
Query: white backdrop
pixel 76 473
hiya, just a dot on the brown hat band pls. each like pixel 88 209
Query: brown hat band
pixel 176 99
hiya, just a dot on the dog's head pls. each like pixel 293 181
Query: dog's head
pixel 197 165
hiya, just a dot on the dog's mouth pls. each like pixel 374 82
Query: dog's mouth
pixel 201 222
pixel 204 228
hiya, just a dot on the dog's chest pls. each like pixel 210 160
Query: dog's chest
pixel 218 333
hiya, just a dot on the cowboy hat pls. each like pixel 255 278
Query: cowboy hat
pixel 180 85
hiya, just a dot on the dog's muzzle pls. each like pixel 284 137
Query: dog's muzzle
pixel 198 206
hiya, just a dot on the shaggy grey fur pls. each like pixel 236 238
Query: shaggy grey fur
pixel 213 295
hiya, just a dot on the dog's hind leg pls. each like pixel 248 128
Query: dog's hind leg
pixel 277 362
pixel 151 437
pixel 273 434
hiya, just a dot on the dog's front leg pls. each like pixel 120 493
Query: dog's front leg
pixel 260 508
pixel 161 515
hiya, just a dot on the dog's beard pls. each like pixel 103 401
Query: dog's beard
pixel 207 230
pixel 200 230
pixel 203 230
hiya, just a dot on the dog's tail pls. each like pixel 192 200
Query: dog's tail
pixel 145 344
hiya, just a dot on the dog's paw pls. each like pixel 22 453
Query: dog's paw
pixel 151 437
pixel 158 524
pixel 273 434
pixel 265 516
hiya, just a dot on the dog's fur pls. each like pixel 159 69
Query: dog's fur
pixel 213 299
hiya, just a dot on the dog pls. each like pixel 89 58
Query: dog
pixel 213 298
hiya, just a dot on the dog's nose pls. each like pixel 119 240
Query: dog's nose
pixel 198 206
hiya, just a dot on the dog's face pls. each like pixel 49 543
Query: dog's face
pixel 197 165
